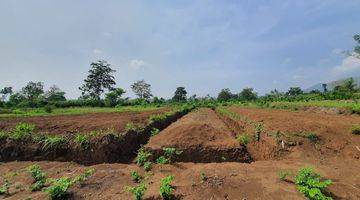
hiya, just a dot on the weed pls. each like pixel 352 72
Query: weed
pixel 158 118
pixel 167 190
pixel 136 176
pixel 243 139
pixel 154 131
pixel 58 188
pixel 309 184
pixel 39 177
pixel 4 189
pixel 82 141
pixel 259 127
pixel 354 130
pixel 283 175
pixel 203 176
pixel 83 177
pixel 170 154
pixel 53 142
pixel 22 131
pixel 312 137
pixel 147 166
pixel 138 191
pixel 133 127
pixel 142 156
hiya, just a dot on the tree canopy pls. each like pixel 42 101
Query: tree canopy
pixel 142 89
pixel 180 94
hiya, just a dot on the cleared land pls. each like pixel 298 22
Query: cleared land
pixel 280 140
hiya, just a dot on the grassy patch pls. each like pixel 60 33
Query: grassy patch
pixel 355 130
pixel 22 131
pixel 169 155
pixel 53 142
pixel 83 141
pixel 243 139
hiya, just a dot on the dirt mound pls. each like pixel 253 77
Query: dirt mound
pixel 202 137
pixel 70 124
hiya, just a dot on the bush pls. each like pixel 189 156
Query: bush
pixel 309 183
pixel 59 187
pixel 142 156
pixel 136 177
pixel 49 108
pixel 312 137
pixel 82 141
pixel 154 131
pixel 22 131
pixel 243 139
pixel 355 130
pixel 4 189
pixel 138 191
pixel 167 190
pixel 38 176
pixel 147 166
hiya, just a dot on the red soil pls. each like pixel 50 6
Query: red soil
pixel 69 124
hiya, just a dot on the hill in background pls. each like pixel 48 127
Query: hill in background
pixel 332 85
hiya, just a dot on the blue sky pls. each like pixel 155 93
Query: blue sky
pixel 202 45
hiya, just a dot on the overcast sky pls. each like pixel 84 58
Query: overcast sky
pixel 202 45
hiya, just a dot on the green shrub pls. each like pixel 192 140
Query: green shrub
pixel 154 131
pixel 134 127
pixel 83 177
pixel 313 137
pixel 136 177
pixel 158 117
pixel 53 142
pixel 259 127
pixel 283 175
pixel 147 166
pixel 4 189
pixel 167 190
pixel 355 130
pixel 243 139
pixel 310 184
pixel 170 154
pixel 138 191
pixel 142 156
pixel 203 176
pixel 22 131
pixel 38 176
pixel 58 189
pixel 49 108
pixel 83 141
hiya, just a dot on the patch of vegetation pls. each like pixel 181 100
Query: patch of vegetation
pixel 312 137
pixel 354 130
pixel 154 131
pixel 3 135
pixel 147 166
pixel 203 176
pixel 83 177
pixel 170 154
pixel 4 189
pixel 310 184
pixel 166 189
pixel 243 139
pixel 38 176
pixel 130 126
pixel 22 131
pixel 53 142
pixel 283 174
pixel 135 176
pixel 138 191
pixel 83 141
pixel 259 127
pixel 142 156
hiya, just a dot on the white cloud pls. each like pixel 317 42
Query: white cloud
pixel 97 51
pixel 349 64
pixel 137 64
pixel 337 51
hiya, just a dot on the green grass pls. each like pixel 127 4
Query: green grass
pixel 354 130
pixel 75 111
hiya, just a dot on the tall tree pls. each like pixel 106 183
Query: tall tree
pixel 99 79
pixel 55 94
pixel 142 89
pixel 180 94
pixel 294 91
pixel 33 90
pixel 225 95
pixel 248 94
pixel 114 97
pixel 5 92
pixel 357 47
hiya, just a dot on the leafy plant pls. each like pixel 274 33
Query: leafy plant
pixel 138 191
pixel 259 127
pixel 83 177
pixel 52 142
pixel 355 130
pixel 4 189
pixel 22 131
pixel 310 184
pixel 142 156
pixel 312 137
pixel 39 177
pixel 136 176
pixel 59 187
pixel 83 141
pixel 154 131
pixel 167 190
pixel 243 139
pixel 283 175
pixel 162 160
pixel 147 166
pixel 203 176
pixel 133 127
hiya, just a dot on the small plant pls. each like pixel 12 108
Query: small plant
pixel 313 137
pixel 243 139
pixel 170 154
pixel 283 175
pixel 355 130
pixel 39 177
pixel 83 141
pixel 136 176
pixel 203 176
pixel 4 189
pixel 142 156
pixel 162 160
pixel 167 190
pixel 259 127
pixel 158 118
pixel 154 131
pixel 22 131
pixel 309 183
pixel 52 142
pixel 133 127
pixel 83 177
pixel 138 191
pixel 59 187
pixel 147 166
